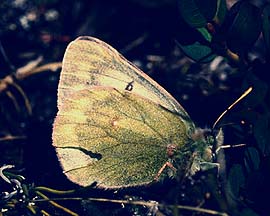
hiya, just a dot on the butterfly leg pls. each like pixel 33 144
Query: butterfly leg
pixel 171 149
pixel 167 164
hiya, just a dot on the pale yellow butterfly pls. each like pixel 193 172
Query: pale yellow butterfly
pixel 116 127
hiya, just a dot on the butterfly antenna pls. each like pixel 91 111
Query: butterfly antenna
pixel 229 147
pixel 232 105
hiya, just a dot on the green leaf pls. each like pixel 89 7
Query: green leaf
pixel 220 12
pixel 236 179
pixel 251 159
pixel 207 36
pixel 266 26
pixel 245 27
pixel 198 52
pixel 197 13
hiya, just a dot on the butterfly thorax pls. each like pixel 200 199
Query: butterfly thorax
pixel 196 155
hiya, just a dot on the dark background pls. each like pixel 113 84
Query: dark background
pixel 145 32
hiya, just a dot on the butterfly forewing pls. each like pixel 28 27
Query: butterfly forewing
pixel 90 62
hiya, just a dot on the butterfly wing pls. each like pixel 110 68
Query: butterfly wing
pixel 105 134
pixel 90 62
pixel 114 138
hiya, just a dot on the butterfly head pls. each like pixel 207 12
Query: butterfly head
pixel 205 141
pixel 197 155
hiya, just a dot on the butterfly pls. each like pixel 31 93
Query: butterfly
pixel 116 127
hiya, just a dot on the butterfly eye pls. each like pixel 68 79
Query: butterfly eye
pixel 210 139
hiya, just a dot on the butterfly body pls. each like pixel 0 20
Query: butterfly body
pixel 114 123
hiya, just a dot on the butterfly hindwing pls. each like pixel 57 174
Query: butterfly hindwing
pixel 114 138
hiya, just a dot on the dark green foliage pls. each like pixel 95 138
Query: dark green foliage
pixel 245 27
pixel 236 180
pixel 200 51
pixel 197 13
pixel 251 159
pixel 236 32
pixel 235 39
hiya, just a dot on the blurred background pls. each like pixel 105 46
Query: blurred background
pixel 36 33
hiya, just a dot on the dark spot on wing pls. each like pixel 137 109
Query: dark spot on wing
pixel 97 156
pixel 129 86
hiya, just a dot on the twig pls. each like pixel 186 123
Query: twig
pixel 9 79
pixel 47 67
pixel 142 203
pixel 10 137
pixel 134 43
pixel 56 204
